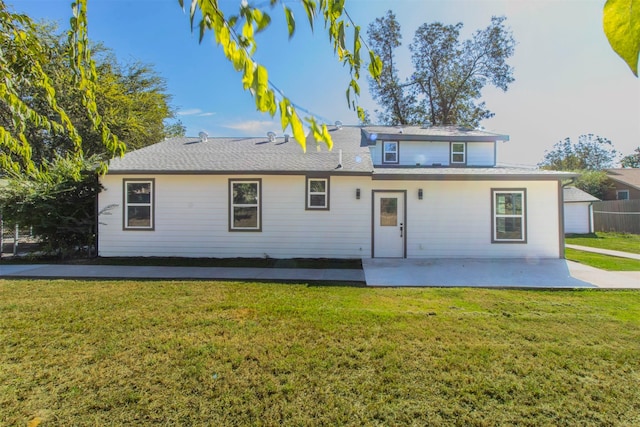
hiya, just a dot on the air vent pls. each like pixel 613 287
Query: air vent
pixel 203 136
pixel 271 136
pixel 338 124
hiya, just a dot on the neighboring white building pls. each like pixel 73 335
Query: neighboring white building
pixel 578 212
pixel 407 192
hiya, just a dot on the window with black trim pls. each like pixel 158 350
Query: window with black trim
pixel 317 193
pixel 138 204
pixel 244 205
pixel 458 153
pixel 622 194
pixel 509 216
pixel 390 152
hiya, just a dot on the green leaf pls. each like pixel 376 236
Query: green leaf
pixel 291 22
pixel 327 137
pixel 375 65
pixel 262 19
pixel 298 130
pixel 310 9
pixel 621 22
pixel 284 113
pixel 247 77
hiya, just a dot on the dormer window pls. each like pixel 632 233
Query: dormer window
pixel 458 153
pixel 390 152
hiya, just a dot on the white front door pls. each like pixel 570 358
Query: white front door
pixel 389 228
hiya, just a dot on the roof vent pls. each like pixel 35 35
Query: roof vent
pixel 203 136
pixel 338 124
pixel 271 136
pixel 286 137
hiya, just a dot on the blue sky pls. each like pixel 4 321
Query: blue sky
pixel 568 81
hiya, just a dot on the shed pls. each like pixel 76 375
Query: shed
pixel 578 214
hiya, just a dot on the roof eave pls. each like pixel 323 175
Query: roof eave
pixel 236 172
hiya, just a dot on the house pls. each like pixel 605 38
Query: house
pixel 625 184
pixel 578 211
pixel 411 192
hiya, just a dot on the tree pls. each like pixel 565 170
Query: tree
pixel 384 37
pixel 60 210
pixel 591 152
pixel 131 99
pixel 632 160
pixel 174 129
pixel 449 74
pixel 23 56
pixel 590 156
pixel 594 182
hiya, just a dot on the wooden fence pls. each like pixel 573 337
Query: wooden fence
pixel 622 216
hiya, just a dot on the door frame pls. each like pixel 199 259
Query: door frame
pixel 373 225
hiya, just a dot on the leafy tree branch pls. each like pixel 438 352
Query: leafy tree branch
pixel 236 36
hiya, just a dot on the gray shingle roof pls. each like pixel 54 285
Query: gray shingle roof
pixel 242 155
pixel 573 194
pixel 433 133
pixel 259 155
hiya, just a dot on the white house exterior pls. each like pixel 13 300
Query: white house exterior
pixel 578 212
pixel 381 192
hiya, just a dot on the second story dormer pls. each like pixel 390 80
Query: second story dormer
pixel 437 146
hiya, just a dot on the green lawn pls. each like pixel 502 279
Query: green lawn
pixel 613 241
pixel 216 353
pixel 603 262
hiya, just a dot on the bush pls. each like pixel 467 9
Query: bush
pixel 60 207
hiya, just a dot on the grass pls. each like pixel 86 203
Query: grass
pixel 223 353
pixel 604 262
pixel 613 241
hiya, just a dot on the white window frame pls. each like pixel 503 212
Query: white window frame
pixel 396 144
pixel 324 193
pixel 127 204
pixel 464 153
pixel 495 215
pixel 618 192
pixel 257 204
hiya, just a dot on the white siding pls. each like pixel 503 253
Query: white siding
pixel 577 218
pixel 426 153
pixel 192 220
pixel 480 154
pixel 454 219
pixel 416 152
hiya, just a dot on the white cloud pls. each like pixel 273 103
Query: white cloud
pixel 195 112
pixel 254 126
pixel 190 112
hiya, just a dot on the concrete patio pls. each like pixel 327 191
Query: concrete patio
pixel 489 273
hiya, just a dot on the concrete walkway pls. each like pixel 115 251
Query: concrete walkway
pixel 610 252
pixel 179 273
pixel 504 273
